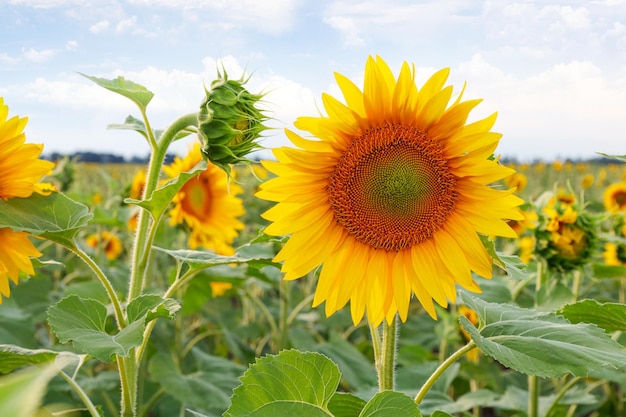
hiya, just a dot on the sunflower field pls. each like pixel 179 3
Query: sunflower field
pixel 388 263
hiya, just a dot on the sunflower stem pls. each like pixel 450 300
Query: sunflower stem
pixel 441 369
pixel 115 302
pixel 81 394
pixel 388 355
pixel 142 243
pixel 533 395
pixel 384 346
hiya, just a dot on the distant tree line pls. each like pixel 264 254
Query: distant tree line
pixel 102 158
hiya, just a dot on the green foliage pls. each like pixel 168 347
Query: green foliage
pixel 541 344
pixel 137 93
pixel 55 217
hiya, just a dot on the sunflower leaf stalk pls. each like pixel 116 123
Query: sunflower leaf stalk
pixel 229 122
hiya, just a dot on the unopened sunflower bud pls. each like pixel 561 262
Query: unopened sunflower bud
pixel 229 123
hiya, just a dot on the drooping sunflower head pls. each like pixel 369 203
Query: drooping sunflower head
pixel 229 122
pixel 20 166
pixel 206 204
pixel 391 196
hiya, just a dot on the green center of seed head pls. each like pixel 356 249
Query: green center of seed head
pixel 398 187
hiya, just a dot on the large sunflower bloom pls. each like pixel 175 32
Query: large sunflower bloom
pixel 391 198
pixel 20 172
pixel 207 204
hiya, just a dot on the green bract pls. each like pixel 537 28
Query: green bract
pixel 229 122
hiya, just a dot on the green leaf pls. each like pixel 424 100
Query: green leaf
pixel 161 198
pixel 608 271
pixel 343 404
pixel 609 316
pixel 288 384
pixel 149 307
pixel 14 357
pixel 618 157
pixel 21 392
pixel 137 93
pixel 510 264
pixel 539 344
pixel 131 123
pixel 55 217
pixel 390 404
pixel 356 369
pixel 82 321
pixel 204 259
pixel 206 389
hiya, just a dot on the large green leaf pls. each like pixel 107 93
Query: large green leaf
pixel 390 404
pixel 161 198
pixel 609 316
pixel 292 383
pixel 137 93
pixel 82 321
pixel 21 392
pixel 14 357
pixel 541 344
pixel 344 404
pixel 55 217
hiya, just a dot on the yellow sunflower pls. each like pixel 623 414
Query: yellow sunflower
pixel 15 252
pixel 615 197
pixel 136 193
pixel 20 173
pixel 107 241
pixel 516 180
pixel 20 166
pixel 392 196
pixel 207 204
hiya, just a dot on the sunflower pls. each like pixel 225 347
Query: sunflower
pixel 20 173
pixel 392 196
pixel 15 252
pixel 136 193
pixel 615 197
pixel 516 180
pixel 20 166
pixel 206 204
pixel 107 241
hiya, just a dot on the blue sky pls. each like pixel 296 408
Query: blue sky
pixel 555 71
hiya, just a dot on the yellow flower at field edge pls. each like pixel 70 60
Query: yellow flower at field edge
pixel 615 197
pixel 136 193
pixel 109 242
pixel 20 173
pixel 207 204
pixel 391 198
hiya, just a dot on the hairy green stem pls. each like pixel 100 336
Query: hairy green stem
pixel 441 369
pixel 388 358
pixel 384 346
pixel 81 394
pixel 117 308
pixel 142 241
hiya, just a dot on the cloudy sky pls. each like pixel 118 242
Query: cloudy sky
pixel 555 71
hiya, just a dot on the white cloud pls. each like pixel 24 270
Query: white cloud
pixel 556 112
pixel 38 56
pixel 347 27
pixel 126 24
pixel 71 45
pixel 100 26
